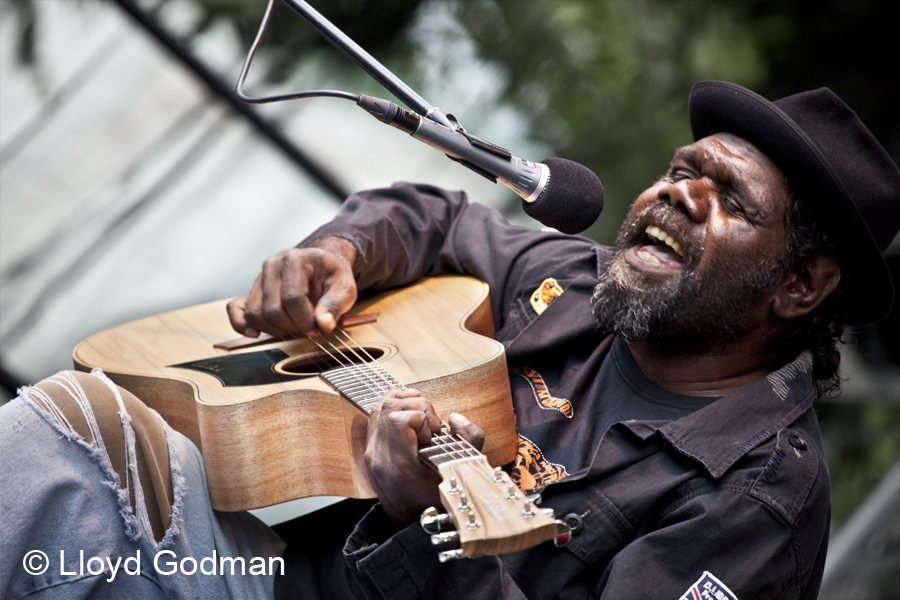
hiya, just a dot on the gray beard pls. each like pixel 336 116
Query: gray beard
pixel 688 309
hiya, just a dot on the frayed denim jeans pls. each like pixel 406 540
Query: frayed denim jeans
pixel 70 528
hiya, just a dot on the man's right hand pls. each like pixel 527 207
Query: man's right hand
pixel 303 290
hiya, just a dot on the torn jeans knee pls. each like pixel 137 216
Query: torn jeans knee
pixel 125 438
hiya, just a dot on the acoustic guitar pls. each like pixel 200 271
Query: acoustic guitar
pixel 278 420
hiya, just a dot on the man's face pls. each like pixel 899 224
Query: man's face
pixel 701 249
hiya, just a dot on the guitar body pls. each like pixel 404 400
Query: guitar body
pixel 269 428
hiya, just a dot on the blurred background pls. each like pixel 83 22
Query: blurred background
pixel 132 182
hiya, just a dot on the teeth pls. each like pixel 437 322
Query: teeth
pixel 654 231
pixel 647 256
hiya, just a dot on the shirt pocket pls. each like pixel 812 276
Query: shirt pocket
pixel 519 315
pixel 604 530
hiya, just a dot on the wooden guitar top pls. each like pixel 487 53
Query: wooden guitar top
pixel 270 434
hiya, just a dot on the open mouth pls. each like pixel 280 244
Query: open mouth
pixel 660 248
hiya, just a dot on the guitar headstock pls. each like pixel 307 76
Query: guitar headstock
pixel 490 514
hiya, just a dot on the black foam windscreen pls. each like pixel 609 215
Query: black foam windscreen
pixel 571 200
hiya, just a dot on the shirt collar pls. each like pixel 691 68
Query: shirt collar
pixel 718 434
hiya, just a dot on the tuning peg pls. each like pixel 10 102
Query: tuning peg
pixel 445 538
pixel 512 492
pixel 463 503
pixel 472 522
pixel 563 534
pixel 448 555
pixel 432 521
pixel 536 498
pixel 453 488
pixel 549 512
pixel 500 477
pixel 529 509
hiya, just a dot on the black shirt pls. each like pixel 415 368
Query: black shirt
pixel 733 495
pixel 567 431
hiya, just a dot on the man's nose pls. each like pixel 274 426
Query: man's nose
pixel 690 196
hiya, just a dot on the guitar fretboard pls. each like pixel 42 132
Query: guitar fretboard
pixel 447 447
pixel 364 384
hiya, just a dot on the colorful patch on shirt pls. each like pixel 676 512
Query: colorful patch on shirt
pixel 541 394
pixel 708 588
pixel 548 291
pixel 532 472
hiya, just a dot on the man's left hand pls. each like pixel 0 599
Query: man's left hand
pixel 401 422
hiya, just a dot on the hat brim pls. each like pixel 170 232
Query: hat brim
pixel 717 106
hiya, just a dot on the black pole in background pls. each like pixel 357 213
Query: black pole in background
pixel 226 93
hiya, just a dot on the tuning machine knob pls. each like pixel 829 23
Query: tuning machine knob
pixel 449 555
pixel 447 537
pixel 500 477
pixel 512 492
pixel 432 521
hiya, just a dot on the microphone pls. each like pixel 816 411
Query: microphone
pixel 572 198
pixel 557 192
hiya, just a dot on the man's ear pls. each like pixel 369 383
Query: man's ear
pixel 800 292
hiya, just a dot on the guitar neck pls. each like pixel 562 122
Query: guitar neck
pixel 364 384
pixel 447 447
pixel 489 511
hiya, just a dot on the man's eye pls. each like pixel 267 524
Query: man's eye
pixel 731 205
pixel 679 174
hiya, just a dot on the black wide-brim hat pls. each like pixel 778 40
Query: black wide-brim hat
pixel 834 163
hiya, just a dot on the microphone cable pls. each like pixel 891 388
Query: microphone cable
pixel 570 203
pixel 239 91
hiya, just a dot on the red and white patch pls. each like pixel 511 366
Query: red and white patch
pixel 708 587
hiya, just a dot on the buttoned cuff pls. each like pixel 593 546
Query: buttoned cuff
pixel 398 563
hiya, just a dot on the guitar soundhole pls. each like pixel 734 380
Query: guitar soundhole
pixel 313 365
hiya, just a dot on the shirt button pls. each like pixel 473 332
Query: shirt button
pixel 575 522
pixel 797 442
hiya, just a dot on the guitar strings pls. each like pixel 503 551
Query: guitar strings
pixel 448 445
pixel 366 370
pixel 378 380
pixel 355 369
pixel 466 450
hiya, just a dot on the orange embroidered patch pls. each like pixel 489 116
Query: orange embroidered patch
pixel 532 472
pixel 548 291
pixel 541 393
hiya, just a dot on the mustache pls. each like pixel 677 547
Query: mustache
pixel 667 218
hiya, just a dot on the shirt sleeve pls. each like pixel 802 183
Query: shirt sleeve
pixel 406 566
pixel 723 545
pixel 718 544
pixel 408 231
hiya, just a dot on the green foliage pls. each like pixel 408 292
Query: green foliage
pixel 607 82
pixel 373 24
pixel 601 82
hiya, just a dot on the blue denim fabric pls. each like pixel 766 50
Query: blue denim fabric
pixel 59 497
